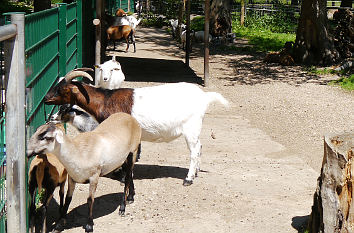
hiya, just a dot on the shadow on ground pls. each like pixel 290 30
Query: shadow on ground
pixel 77 217
pixel 157 70
pixel 147 171
pixel 300 223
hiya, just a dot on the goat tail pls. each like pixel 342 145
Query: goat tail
pixel 214 96
pixel 137 23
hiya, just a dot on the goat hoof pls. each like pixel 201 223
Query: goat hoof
pixel 122 213
pixel 88 228
pixel 187 182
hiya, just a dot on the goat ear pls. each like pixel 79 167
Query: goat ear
pixel 75 90
pixel 59 136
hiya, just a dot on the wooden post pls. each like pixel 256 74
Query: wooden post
pixel 242 20
pixel 98 23
pixel 188 35
pixel 206 43
pixel 16 129
pixel 333 207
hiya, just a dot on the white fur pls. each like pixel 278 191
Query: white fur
pixel 75 116
pixel 199 36
pixel 126 20
pixel 168 111
pixel 111 75
pixel 184 38
pixel 174 25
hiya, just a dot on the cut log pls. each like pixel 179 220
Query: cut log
pixel 333 207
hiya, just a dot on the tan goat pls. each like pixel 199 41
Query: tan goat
pixel 92 154
pixel 115 33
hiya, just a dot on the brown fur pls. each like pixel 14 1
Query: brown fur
pixel 282 57
pixel 118 32
pixel 120 12
pixel 100 103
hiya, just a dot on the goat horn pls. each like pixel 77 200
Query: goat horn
pixel 77 73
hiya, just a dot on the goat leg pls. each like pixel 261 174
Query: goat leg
pixel 69 194
pixel 61 196
pixel 127 40
pixel 90 200
pixel 129 185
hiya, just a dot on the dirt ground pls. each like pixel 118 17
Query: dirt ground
pixel 258 174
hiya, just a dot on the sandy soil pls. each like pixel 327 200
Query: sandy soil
pixel 258 174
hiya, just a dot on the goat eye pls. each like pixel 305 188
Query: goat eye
pixel 41 136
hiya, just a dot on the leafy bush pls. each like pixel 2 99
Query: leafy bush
pixel 265 33
pixel 197 23
pixel 346 82
pixel 153 21
pixel 14 7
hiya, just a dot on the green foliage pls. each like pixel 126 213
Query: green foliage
pixel 153 21
pixel 262 33
pixel 8 6
pixel 40 198
pixel 197 23
pixel 346 82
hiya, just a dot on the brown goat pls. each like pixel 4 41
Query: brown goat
pixel 45 172
pixel 120 12
pixel 118 32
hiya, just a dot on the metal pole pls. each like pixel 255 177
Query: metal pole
pixel 98 37
pixel 15 131
pixel 206 43
pixel 188 35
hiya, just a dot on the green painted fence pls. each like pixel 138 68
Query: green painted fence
pixel 113 5
pixel 53 46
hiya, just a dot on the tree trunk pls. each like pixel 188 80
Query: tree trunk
pixel 40 5
pixel 243 7
pixel 346 3
pixel 220 17
pixel 333 207
pixel 313 44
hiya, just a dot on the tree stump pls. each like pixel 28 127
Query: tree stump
pixel 333 208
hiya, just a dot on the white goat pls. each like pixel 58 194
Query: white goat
pixel 126 20
pixel 164 112
pixel 199 36
pixel 111 75
pixel 75 116
pixel 174 25
pixel 90 155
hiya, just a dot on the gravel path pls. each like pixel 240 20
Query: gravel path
pixel 258 174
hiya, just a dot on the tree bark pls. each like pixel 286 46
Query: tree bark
pixel 40 5
pixel 333 207
pixel 313 44
pixel 243 7
pixel 220 17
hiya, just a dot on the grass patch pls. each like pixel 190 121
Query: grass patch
pixel 345 82
pixel 267 32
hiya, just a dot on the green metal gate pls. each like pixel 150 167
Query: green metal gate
pixel 53 46
pixel 113 5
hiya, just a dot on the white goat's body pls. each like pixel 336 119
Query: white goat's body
pixel 126 20
pixel 111 75
pixel 168 111
pixel 199 36
pixel 75 116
